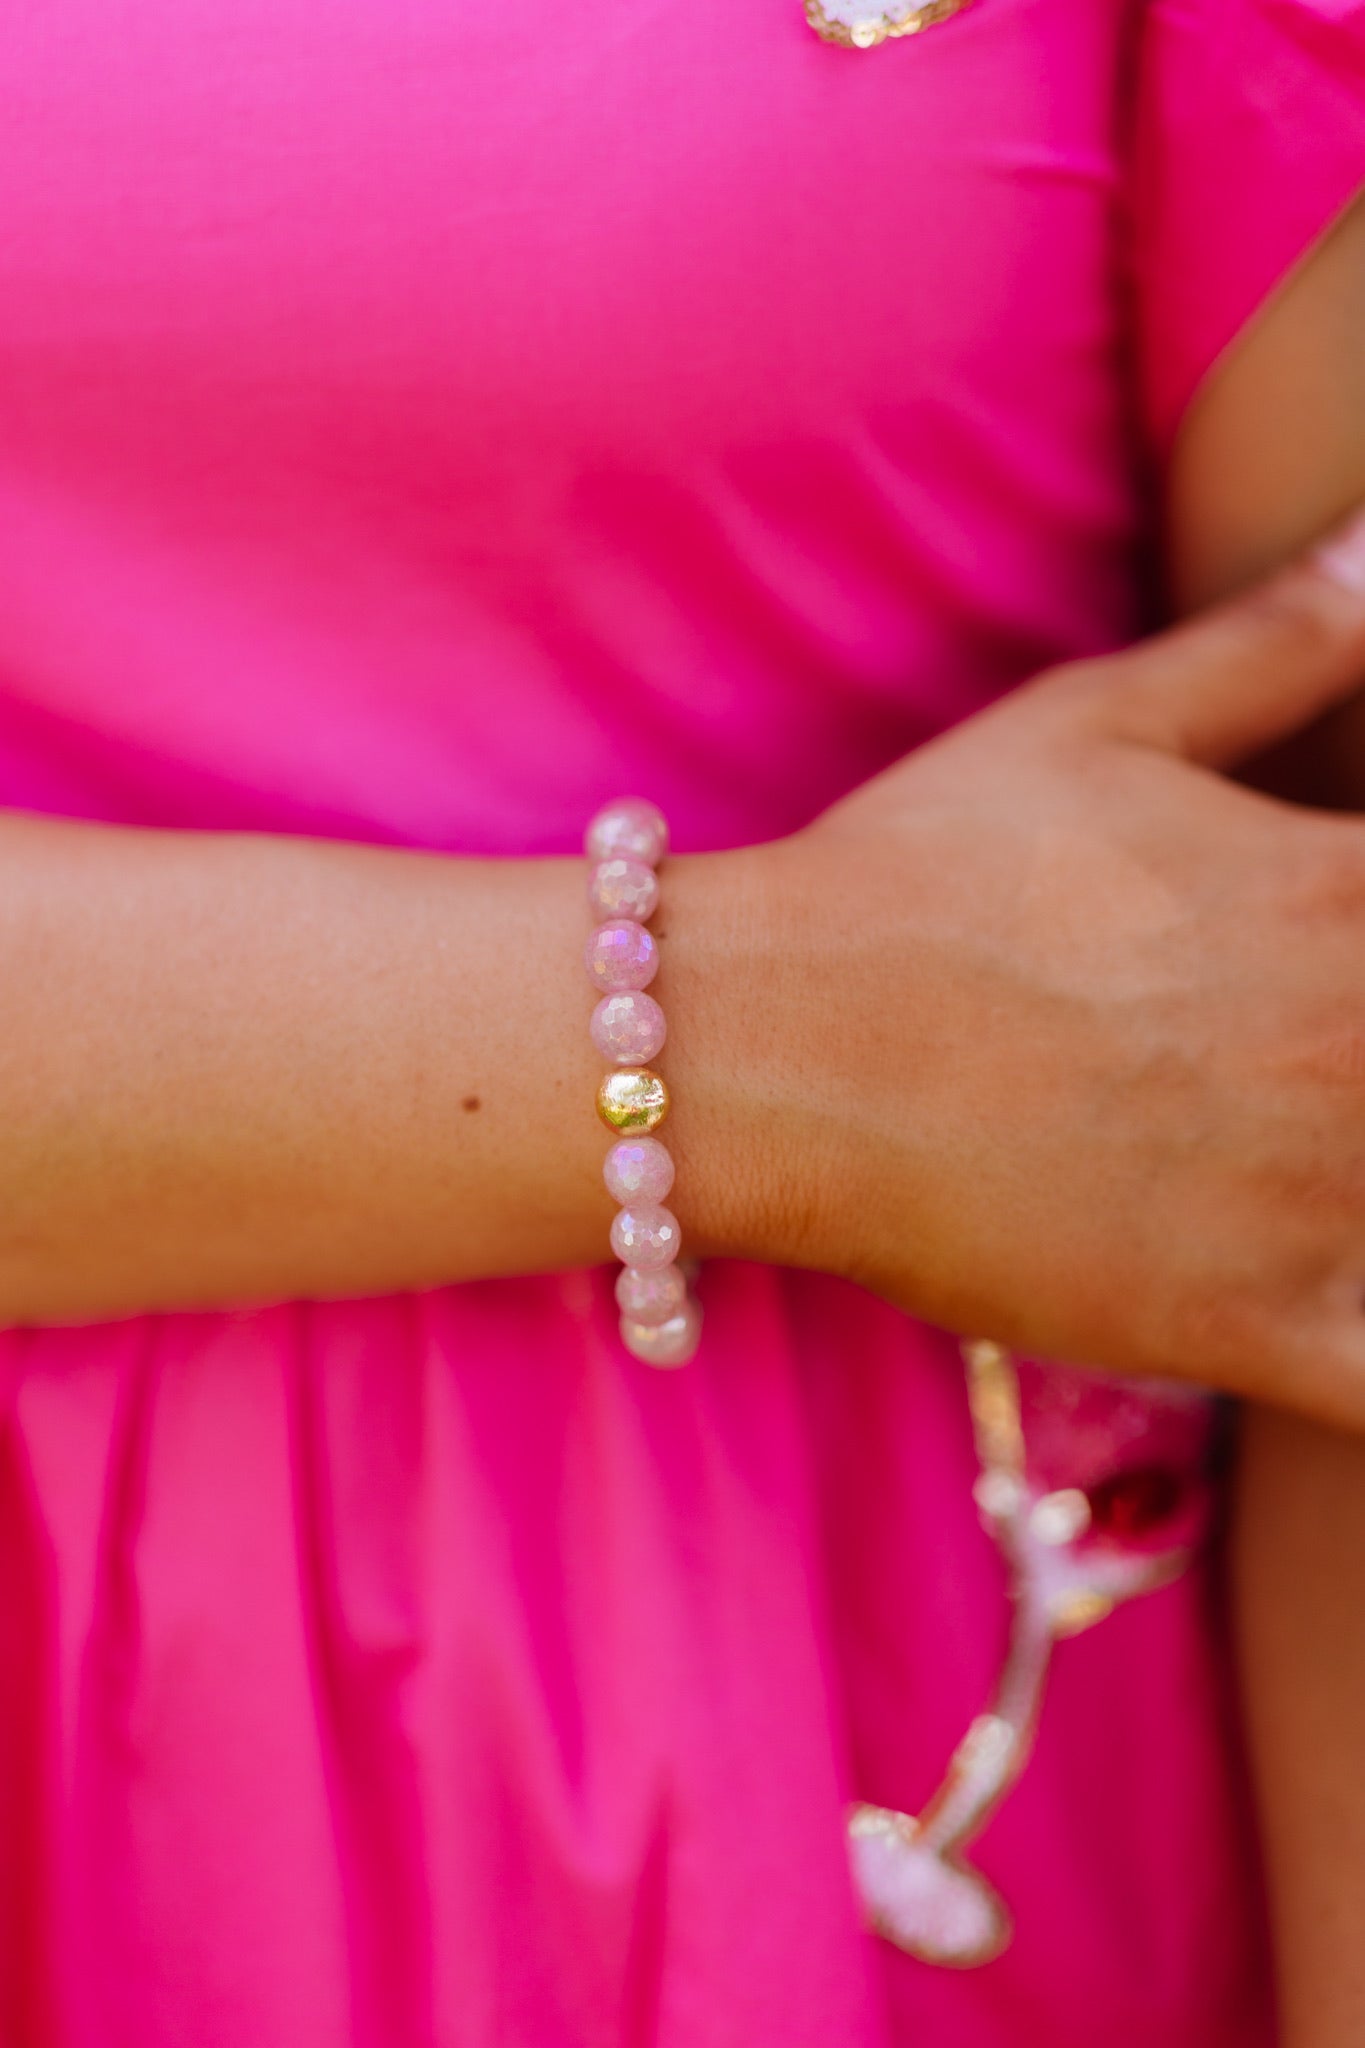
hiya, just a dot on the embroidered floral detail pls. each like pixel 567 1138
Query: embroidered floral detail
pixel 1096 1491
pixel 859 26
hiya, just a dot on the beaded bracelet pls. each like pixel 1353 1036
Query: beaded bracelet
pixel 660 1317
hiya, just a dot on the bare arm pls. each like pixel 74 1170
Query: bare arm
pixel 1275 448
pixel 236 1068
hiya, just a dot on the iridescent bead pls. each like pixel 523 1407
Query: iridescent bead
pixel 630 826
pixel 638 1170
pixel 633 1099
pixel 651 1298
pixel 670 1343
pixel 628 1028
pixel 646 1236
pixel 623 888
pixel 621 955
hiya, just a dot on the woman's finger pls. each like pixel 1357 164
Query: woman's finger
pixel 1318 1370
pixel 1253 670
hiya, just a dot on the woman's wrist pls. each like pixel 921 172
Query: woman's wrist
pixel 747 1059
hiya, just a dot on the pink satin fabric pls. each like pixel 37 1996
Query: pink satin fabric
pixel 420 420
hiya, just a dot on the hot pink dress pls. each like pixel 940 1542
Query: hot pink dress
pixel 392 393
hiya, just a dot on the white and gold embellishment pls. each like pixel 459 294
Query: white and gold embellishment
pixel 918 1886
pixel 860 26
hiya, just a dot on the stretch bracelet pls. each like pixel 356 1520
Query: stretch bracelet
pixel 660 1316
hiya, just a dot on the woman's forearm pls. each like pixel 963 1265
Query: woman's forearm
pixel 1275 449
pixel 1299 1581
pixel 240 1068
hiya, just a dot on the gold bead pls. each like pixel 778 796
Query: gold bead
pixel 631 1100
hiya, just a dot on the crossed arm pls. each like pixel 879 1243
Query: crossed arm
pixel 1275 447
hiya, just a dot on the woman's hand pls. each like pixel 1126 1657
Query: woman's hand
pixel 1072 1050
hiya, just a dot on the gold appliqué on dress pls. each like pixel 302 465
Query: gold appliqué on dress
pixel 856 26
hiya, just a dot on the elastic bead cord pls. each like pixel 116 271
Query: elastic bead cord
pixel 660 1316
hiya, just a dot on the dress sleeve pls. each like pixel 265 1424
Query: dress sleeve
pixel 1249 142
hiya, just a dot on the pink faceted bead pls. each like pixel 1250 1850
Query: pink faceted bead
pixel 638 1170
pixel 621 955
pixel 628 1028
pixel 629 826
pixel 623 888
pixel 670 1343
pixel 646 1236
pixel 650 1297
